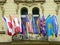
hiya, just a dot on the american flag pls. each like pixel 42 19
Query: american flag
pixel 28 25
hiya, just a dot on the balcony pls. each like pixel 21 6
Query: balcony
pixel 28 1
pixel 2 1
pixel 57 1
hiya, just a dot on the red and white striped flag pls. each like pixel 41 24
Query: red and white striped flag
pixel 17 26
pixel 11 19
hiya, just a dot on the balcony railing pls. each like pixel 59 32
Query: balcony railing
pixel 57 1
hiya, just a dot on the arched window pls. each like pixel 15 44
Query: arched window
pixel 35 11
pixel 24 11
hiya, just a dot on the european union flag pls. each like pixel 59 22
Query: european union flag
pixel 49 28
pixel 34 26
pixel 55 25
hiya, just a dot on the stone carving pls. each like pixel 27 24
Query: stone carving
pixel 28 1
pixel 29 5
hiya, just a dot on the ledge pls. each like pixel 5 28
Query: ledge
pixel 2 32
pixel 26 42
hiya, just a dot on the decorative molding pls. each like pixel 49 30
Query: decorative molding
pixel 28 1
pixel 29 4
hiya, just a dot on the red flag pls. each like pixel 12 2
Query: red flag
pixel 8 26
pixel 12 22
pixel 17 27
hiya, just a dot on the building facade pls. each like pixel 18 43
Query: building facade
pixel 26 7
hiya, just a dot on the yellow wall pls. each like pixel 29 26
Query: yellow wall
pixel 11 8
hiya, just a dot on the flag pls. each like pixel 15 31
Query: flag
pixel 28 25
pixel 12 21
pixel 8 26
pixel 43 26
pixel 34 26
pixel 49 28
pixel 17 26
pixel 38 24
pixel 55 25
pixel 23 28
pixel 5 24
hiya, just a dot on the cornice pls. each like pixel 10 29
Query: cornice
pixel 29 1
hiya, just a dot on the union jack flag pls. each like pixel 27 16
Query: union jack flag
pixel 43 27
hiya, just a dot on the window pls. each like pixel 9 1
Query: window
pixel 24 12
pixel 35 13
